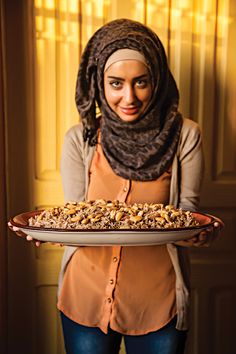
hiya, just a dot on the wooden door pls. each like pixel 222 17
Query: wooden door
pixel 3 200
pixel 50 35
pixel 212 91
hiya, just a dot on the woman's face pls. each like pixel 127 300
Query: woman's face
pixel 128 88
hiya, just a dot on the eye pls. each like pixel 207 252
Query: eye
pixel 115 84
pixel 142 83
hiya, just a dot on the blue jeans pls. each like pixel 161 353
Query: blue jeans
pixel 91 340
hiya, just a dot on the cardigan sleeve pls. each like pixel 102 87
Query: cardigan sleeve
pixel 191 166
pixel 72 166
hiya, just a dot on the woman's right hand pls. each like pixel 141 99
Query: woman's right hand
pixel 30 238
pixel 22 234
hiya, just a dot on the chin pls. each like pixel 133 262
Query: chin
pixel 128 118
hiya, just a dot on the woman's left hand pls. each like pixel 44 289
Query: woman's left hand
pixel 204 238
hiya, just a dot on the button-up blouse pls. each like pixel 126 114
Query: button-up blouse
pixel 130 289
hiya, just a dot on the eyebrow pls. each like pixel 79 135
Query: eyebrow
pixel 122 79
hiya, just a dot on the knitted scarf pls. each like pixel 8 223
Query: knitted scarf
pixel 143 149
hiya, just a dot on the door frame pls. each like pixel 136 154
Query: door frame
pixel 3 196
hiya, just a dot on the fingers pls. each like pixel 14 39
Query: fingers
pixel 16 230
pixel 186 243
pixel 203 239
pixel 218 223
pixel 22 234
pixel 217 227
pixel 56 244
pixel 13 228
pixel 210 234
pixel 29 238
pixel 36 242
pixel 10 225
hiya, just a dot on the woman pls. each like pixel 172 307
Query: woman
pixel 140 149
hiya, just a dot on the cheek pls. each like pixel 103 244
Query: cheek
pixel 146 96
pixel 112 97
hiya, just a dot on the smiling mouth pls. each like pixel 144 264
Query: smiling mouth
pixel 129 110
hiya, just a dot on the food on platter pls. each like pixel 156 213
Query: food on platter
pixel 113 215
pixel 107 223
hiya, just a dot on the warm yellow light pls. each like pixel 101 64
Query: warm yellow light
pixel 63 28
pixel 50 28
pixel 185 4
pixel 209 6
pixel 73 30
pixel 39 23
pixel 88 8
pixel 63 4
pixel 38 3
pixel 176 12
pixel 50 4
pixel 139 6
pixel 98 4
pixel 159 2
pixel 73 6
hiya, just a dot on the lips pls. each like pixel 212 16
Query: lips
pixel 129 110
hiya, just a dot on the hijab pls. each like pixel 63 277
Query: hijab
pixel 143 149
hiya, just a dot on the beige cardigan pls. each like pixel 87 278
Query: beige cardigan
pixel 187 172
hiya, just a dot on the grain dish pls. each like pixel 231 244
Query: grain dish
pixel 102 214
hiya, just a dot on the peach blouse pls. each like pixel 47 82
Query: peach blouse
pixel 129 289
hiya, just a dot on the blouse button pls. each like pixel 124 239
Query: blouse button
pixel 125 189
pixel 115 259
pixel 109 300
pixel 111 281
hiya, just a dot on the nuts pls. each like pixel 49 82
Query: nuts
pixel 160 220
pixel 119 215
pixel 135 218
pixel 76 218
pixel 70 211
pixel 112 214
pixel 97 218
pixel 85 221
pixel 101 214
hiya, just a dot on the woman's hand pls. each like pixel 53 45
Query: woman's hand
pixel 22 234
pixel 28 237
pixel 204 238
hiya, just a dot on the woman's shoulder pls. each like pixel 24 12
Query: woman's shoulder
pixel 190 129
pixel 190 136
pixel 74 142
pixel 190 125
pixel 75 132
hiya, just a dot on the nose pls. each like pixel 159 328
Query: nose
pixel 129 95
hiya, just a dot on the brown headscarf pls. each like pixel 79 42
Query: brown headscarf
pixel 143 149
